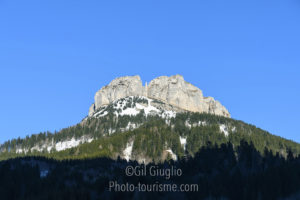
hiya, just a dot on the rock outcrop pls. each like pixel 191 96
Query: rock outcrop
pixel 176 91
pixel 173 90
pixel 118 88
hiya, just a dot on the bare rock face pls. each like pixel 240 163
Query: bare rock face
pixel 215 107
pixel 118 88
pixel 172 90
pixel 176 91
pixel 92 109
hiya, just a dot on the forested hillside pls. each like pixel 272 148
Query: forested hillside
pixel 151 136
pixel 220 172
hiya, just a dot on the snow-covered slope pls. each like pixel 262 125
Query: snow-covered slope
pixel 59 146
pixel 133 105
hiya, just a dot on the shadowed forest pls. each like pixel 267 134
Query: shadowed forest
pixel 220 172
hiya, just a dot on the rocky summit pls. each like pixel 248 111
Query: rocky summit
pixel 173 90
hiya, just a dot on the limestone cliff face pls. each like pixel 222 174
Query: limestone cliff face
pixel 176 91
pixel 118 88
pixel 173 90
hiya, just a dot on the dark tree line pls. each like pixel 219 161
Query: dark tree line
pixel 221 172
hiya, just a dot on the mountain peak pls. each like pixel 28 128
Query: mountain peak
pixel 173 90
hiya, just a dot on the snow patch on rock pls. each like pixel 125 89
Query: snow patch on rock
pixel 169 114
pixel 20 150
pixel 149 109
pixel 173 155
pixel 128 151
pixel 224 129
pixel 129 111
pixel 111 131
pixel 59 146
pixel 130 126
pixel 187 124
pixel 183 141
pixel 66 144
pixel 203 123
pixel 101 112
pixel 127 106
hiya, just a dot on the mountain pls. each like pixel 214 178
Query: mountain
pixel 172 90
pixel 167 119
pixel 167 126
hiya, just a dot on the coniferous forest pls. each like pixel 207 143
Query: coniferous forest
pixel 219 171
pixel 149 100
pixel 248 163
pixel 150 136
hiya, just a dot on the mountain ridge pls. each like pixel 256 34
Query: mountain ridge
pixel 141 128
pixel 173 90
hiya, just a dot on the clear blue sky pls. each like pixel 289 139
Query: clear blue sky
pixel 54 56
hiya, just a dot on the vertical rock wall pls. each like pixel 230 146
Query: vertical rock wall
pixel 173 90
